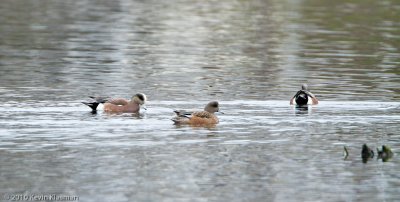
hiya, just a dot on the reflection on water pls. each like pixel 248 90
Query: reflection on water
pixel 251 56
pixel 300 110
pixel 261 149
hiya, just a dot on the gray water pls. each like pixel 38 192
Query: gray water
pixel 251 56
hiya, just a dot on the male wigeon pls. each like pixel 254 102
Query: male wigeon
pixel 206 117
pixel 304 97
pixel 118 105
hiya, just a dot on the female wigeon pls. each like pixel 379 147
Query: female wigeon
pixel 304 97
pixel 118 105
pixel 206 117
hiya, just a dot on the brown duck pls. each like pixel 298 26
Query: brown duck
pixel 118 105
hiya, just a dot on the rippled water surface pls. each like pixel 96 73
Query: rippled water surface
pixel 251 56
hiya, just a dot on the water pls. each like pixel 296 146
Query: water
pixel 251 56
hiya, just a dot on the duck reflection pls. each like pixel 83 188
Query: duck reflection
pixel 303 110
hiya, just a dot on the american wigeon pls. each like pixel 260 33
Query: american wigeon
pixel 206 117
pixel 118 105
pixel 304 97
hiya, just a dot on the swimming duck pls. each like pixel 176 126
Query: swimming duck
pixel 304 97
pixel 206 117
pixel 118 105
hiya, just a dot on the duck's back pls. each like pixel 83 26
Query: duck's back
pixel 197 118
pixel 128 108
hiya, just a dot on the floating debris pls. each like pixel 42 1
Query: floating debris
pixel 366 153
pixel 385 154
pixel 345 152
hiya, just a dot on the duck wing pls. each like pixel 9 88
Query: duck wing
pixel 100 99
pixel 118 101
pixel 203 114
pixel 183 112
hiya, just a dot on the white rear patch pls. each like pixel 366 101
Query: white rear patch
pixel 310 102
pixel 100 107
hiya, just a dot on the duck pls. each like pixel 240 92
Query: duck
pixel 304 97
pixel 205 117
pixel 118 105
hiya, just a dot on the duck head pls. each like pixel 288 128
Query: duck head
pixel 212 107
pixel 139 98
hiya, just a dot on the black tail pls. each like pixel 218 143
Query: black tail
pixel 182 113
pixel 301 98
pixel 92 105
